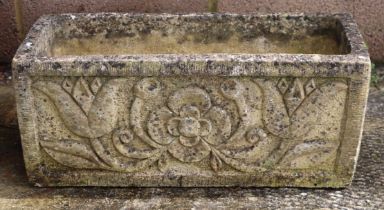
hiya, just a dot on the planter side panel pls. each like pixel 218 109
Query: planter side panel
pixel 187 131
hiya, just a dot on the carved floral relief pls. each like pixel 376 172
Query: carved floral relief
pixel 239 124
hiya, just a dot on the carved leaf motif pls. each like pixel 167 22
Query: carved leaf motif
pixel 70 112
pixel 72 153
pixel 320 115
pixel 67 85
pixel 282 85
pixel 310 153
pixel 96 85
pixel 275 115
pixel 83 95
pixel 216 162
pixel 294 96
pixel 315 111
pixel 103 114
pixel 103 108
pixel 310 86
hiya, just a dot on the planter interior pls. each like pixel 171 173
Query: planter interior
pixel 199 36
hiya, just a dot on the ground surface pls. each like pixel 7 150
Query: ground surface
pixel 366 192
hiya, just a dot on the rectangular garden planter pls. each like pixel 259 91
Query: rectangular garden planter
pixel 192 100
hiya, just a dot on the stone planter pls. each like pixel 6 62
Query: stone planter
pixel 192 100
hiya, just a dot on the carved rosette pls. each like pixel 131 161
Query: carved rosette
pixel 189 124
pixel 249 125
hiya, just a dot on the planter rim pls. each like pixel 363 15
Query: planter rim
pixel 358 49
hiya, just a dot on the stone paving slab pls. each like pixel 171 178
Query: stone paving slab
pixel 366 192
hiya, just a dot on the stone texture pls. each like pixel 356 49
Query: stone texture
pixel 366 191
pixel 202 119
pixel 8 31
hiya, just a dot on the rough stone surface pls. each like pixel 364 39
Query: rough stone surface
pixel 201 119
pixel 366 191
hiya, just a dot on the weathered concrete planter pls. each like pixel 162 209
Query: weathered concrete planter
pixel 192 100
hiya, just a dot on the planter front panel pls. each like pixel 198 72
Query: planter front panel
pixel 187 121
